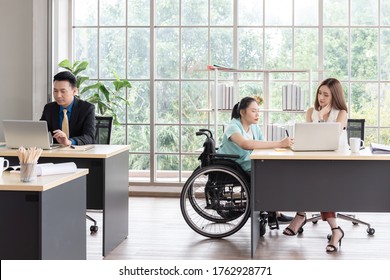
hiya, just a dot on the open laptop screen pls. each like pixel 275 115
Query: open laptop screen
pixel 26 133
pixel 316 136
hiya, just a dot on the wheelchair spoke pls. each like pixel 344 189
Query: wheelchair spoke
pixel 215 202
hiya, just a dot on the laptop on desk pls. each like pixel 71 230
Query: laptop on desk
pixel 316 136
pixel 27 133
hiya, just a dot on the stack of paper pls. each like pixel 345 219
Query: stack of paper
pixel 379 149
pixel 59 168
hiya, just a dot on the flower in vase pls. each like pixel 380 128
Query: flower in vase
pixel 259 99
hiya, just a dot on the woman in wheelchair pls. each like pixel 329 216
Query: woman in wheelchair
pixel 243 135
pixel 329 106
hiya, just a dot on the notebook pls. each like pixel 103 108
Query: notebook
pixel 27 134
pixel 316 136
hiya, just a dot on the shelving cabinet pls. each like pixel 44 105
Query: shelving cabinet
pixel 266 110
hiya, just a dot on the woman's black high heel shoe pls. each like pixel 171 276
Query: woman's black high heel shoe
pixel 289 232
pixel 332 248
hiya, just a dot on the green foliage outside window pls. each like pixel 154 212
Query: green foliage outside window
pixel 358 55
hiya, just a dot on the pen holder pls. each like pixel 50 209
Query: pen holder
pixel 28 172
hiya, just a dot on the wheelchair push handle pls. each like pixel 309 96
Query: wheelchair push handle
pixel 206 130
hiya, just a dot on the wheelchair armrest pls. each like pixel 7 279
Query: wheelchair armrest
pixel 226 156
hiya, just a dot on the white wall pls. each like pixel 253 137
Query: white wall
pixel 23 59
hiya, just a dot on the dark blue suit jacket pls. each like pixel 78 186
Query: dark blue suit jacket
pixel 81 123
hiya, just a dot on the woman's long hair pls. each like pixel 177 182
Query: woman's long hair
pixel 242 105
pixel 336 89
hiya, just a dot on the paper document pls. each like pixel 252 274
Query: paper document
pixel 59 168
pixel 379 149
pixel 16 168
pixel 77 148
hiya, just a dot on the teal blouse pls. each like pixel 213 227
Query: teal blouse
pixel 229 147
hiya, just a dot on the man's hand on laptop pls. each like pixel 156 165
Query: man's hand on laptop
pixel 61 137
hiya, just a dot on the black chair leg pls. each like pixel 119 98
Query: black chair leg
pixel 94 228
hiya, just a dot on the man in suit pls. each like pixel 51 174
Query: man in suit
pixel 69 119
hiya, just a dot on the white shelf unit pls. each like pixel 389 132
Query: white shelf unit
pixel 266 91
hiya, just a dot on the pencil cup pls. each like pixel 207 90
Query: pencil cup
pixel 28 172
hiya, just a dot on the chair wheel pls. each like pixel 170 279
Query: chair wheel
pixel 370 231
pixel 329 237
pixel 300 230
pixel 355 223
pixel 94 229
pixel 314 222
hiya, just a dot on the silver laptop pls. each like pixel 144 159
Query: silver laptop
pixel 27 134
pixel 316 136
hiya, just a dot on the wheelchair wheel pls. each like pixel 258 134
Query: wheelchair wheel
pixel 215 201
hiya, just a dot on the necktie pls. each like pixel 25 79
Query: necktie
pixel 65 123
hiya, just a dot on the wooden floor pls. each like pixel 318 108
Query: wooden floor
pixel 157 231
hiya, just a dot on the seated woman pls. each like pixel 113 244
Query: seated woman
pixel 329 106
pixel 243 135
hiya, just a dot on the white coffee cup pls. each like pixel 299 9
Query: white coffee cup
pixel 355 143
pixel 2 167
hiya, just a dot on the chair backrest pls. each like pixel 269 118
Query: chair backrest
pixel 355 128
pixel 103 129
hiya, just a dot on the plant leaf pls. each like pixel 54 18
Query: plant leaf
pixel 116 76
pixel 80 67
pixel 90 87
pixel 123 99
pixel 105 91
pixel 121 84
pixel 66 64
pixel 94 98
pixel 80 80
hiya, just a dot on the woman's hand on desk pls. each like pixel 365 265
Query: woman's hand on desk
pixel 286 142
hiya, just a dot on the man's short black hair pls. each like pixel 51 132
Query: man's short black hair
pixel 66 76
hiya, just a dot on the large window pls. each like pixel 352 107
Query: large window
pixel 164 46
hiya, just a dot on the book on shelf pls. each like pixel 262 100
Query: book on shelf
pixel 293 98
pixel 277 132
pixel 225 97
pixel 379 148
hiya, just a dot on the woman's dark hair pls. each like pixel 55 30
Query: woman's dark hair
pixel 242 105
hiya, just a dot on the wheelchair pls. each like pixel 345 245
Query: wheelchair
pixel 215 200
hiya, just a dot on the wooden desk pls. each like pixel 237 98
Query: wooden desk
pixel 107 184
pixel 318 181
pixel 43 219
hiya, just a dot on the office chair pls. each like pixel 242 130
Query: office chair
pixel 102 136
pixel 355 128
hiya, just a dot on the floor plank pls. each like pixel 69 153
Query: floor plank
pixel 157 231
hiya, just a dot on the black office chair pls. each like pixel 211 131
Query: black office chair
pixel 102 136
pixel 355 128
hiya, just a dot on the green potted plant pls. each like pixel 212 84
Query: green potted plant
pixel 106 98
